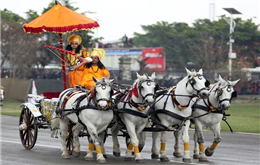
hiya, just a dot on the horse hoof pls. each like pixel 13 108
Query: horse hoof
pixel 140 161
pixel 195 156
pixel 75 154
pixel 155 156
pixel 117 154
pixel 129 158
pixel 102 161
pixel 105 156
pixel 89 158
pixel 186 160
pixel 209 152
pixel 177 155
pixel 165 159
pixel 203 159
pixel 65 156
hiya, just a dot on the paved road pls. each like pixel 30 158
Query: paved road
pixel 234 149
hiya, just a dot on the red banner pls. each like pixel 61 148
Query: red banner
pixel 155 59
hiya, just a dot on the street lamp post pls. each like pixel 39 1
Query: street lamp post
pixel 232 24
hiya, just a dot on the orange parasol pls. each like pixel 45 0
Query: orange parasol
pixel 60 19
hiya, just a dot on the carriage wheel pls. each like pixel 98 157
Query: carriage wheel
pixel 28 128
pixel 69 140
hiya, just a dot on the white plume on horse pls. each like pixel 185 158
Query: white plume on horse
pixel 173 111
pixel 93 112
pixel 209 113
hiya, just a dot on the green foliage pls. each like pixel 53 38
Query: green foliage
pixel 31 15
pixel 9 17
pixel 205 43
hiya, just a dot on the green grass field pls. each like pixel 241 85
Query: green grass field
pixel 245 114
pixel 243 118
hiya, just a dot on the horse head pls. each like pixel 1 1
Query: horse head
pixel 197 83
pixel 145 87
pixel 103 92
pixel 224 92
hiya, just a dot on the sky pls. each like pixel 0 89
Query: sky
pixel 119 17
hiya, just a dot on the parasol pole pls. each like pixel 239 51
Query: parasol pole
pixel 63 63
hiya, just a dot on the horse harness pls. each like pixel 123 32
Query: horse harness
pixel 78 108
pixel 172 95
pixel 210 109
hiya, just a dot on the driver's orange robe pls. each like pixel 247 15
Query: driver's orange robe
pixel 75 75
pixel 87 81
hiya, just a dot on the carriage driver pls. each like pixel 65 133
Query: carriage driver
pixel 94 68
pixel 74 41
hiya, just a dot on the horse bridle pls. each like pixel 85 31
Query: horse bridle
pixel 103 86
pixel 220 92
pixel 149 83
pixel 192 82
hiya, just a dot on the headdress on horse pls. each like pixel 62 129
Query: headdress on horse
pixel 100 53
pixel 74 38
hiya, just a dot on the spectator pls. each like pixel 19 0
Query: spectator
pixel 1 95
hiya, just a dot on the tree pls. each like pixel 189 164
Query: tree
pixel 17 47
pixel 205 43
pixel 168 36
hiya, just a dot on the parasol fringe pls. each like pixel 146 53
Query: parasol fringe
pixel 66 29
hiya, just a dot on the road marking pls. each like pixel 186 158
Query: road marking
pixel 40 145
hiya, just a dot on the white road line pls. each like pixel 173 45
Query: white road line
pixel 41 145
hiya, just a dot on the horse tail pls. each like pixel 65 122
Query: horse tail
pixel 55 122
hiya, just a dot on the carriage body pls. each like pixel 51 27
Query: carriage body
pixel 35 114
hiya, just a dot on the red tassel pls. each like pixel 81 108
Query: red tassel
pixel 135 90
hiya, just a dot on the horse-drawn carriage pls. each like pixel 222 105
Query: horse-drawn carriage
pixel 128 110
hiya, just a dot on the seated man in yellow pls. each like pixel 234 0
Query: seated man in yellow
pixel 74 41
pixel 94 68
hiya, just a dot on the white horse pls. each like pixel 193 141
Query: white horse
pixel 132 112
pixel 173 111
pixel 91 110
pixel 209 113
